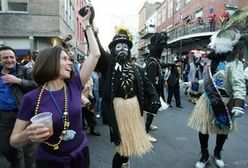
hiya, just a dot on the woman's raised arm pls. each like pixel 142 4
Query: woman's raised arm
pixel 94 52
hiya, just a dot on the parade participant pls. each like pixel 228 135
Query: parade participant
pixel 195 73
pixel 59 93
pixel 224 90
pixel 173 84
pixel 127 92
pixel 153 73
pixel 15 81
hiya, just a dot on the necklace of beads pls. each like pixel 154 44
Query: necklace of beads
pixel 65 117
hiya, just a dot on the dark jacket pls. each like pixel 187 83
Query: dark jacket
pixel 27 84
pixel 154 75
pixel 174 77
pixel 146 94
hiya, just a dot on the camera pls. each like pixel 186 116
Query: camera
pixel 83 12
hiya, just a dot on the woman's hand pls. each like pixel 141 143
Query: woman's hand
pixel 86 18
pixel 37 132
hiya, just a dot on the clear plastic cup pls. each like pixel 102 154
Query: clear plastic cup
pixel 44 118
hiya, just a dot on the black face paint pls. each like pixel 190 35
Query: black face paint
pixel 121 51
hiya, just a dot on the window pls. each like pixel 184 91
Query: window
pixel 177 5
pixel 66 10
pixel 69 14
pixel 187 1
pixel 164 10
pixel 159 18
pixel 72 24
pixel 18 5
pixel 199 13
pixel 170 8
pixel 199 17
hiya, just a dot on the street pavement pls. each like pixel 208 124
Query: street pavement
pixel 177 145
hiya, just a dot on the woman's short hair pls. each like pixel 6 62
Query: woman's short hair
pixel 47 65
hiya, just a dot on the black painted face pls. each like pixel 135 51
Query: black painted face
pixel 121 51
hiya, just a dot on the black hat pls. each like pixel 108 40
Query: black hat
pixel 121 38
pixel 158 42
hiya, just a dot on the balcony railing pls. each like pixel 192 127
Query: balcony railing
pixel 147 32
pixel 186 29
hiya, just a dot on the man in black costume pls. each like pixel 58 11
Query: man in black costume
pixel 154 73
pixel 127 93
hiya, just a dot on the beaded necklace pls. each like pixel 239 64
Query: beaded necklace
pixel 65 117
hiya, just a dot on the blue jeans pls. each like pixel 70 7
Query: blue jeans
pixel 212 26
pixel 97 102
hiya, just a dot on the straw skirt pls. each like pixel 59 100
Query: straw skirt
pixel 134 140
pixel 201 119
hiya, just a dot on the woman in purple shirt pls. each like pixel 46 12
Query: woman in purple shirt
pixel 59 93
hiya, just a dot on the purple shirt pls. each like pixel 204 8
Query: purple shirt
pixel 26 111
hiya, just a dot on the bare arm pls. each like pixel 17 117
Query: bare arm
pixel 24 131
pixel 94 52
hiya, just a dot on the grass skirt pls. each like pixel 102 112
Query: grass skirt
pixel 201 119
pixel 134 140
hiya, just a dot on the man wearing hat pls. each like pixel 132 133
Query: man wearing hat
pixel 153 73
pixel 126 93
pixel 224 89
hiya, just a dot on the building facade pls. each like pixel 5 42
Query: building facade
pixel 147 26
pixel 187 23
pixel 28 25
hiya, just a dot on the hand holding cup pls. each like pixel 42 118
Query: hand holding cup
pixel 41 127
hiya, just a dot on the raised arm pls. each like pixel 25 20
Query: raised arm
pixel 94 52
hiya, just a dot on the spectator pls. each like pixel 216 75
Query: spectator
pixel 76 65
pixel 30 64
pixel 15 81
pixel 89 107
pixel 212 19
pixel 224 17
pixel 60 93
pixel 65 42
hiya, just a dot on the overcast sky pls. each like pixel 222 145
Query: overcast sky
pixel 112 13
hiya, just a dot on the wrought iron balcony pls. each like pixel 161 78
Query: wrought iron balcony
pixel 147 32
pixel 190 30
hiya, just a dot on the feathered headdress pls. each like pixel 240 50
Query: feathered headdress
pixel 122 36
pixel 158 42
pixel 233 33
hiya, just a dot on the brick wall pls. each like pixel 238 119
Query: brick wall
pixel 41 20
pixel 194 5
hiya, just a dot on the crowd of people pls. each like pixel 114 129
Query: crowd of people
pixel 109 85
